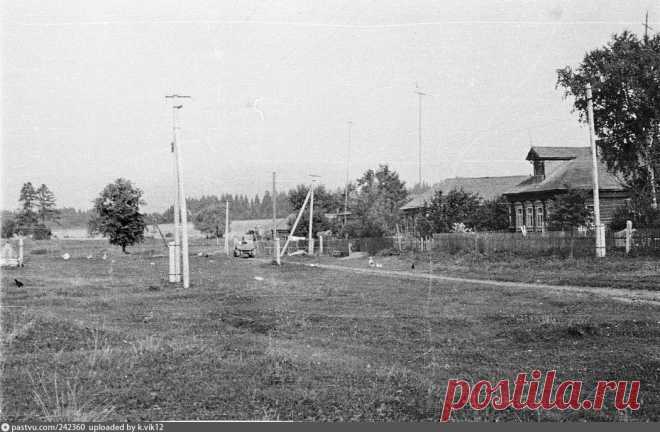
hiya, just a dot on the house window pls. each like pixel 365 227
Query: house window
pixel 519 217
pixel 530 217
pixel 539 217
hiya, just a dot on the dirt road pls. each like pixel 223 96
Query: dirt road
pixel 622 295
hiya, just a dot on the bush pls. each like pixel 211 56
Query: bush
pixel 620 216
pixel 41 232
pixel 8 227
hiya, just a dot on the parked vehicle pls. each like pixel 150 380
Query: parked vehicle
pixel 245 248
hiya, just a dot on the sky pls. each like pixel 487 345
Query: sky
pixel 275 83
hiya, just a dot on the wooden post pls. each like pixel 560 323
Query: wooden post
pixel 628 236
pixel 20 251
pixel 310 245
pixel 600 229
pixel 277 251
pixel 295 224
pixel 172 276
pixel 227 228
pixel 320 245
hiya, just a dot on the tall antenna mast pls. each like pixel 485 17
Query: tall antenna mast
pixel 348 156
pixel 420 94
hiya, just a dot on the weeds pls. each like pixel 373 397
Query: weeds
pixel 61 402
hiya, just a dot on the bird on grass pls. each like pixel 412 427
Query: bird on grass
pixel 412 267
pixel 18 283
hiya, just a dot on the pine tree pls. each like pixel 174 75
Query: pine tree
pixel 27 217
pixel 45 204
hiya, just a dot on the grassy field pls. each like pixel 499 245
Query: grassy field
pixel 93 339
pixel 613 271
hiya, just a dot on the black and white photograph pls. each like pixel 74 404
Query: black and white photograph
pixel 341 211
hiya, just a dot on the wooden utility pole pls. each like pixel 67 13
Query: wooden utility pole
pixel 600 229
pixel 180 211
pixel 649 136
pixel 295 224
pixel 227 228
pixel 274 209
pixel 310 245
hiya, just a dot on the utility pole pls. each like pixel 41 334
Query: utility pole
pixel 600 229
pixel 227 228
pixel 177 207
pixel 274 209
pixel 348 158
pixel 310 244
pixel 419 130
pixel 181 197
pixel 649 136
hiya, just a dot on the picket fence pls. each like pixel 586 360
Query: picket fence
pixel 485 243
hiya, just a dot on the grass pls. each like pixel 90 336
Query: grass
pixel 613 271
pixel 301 344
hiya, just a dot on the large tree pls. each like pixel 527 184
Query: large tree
pixel 625 78
pixel 376 203
pixel 210 219
pixel 45 204
pixel 27 217
pixel 569 211
pixel 457 206
pixel 118 214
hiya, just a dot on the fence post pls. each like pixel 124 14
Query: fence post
pixel 20 251
pixel 628 236
pixel 320 245
pixel 277 251
pixel 172 270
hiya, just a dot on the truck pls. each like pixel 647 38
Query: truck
pixel 244 248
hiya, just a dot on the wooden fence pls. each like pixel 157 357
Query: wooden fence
pixel 484 243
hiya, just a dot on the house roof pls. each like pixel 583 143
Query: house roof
pixel 557 153
pixel 487 188
pixel 575 174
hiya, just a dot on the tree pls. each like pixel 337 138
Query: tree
pixel 45 204
pixel 569 211
pixel 323 203
pixel 27 217
pixel 492 215
pixel 457 206
pixel 625 76
pixel 118 214
pixel 210 219
pixel 8 225
pixel 376 203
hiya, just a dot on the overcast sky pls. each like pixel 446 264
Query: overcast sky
pixel 274 84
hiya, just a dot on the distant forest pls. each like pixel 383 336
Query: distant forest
pixel 240 206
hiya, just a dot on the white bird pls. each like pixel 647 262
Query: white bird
pixel 66 256
pixel 259 278
pixel 371 262
pixel 105 256
pixel 379 265
pixel 90 256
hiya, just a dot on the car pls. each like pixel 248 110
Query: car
pixel 244 248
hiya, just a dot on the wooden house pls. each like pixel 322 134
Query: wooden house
pixel 557 169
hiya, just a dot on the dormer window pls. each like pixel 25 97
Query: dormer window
pixel 539 168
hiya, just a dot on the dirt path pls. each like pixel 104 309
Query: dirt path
pixel 617 294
